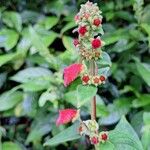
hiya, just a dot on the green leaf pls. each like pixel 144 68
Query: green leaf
pixel 67 57
pixel 141 101
pixel 71 97
pixel 2 132
pixel 30 16
pixel 22 48
pixel 40 126
pixel 121 106
pixel 100 30
pixel 104 71
pixel 3 77
pixel 128 88
pixel 85 94
pixel 41 48
pixel 29 105
pixel 68 134
pixel 10 99
pixel 145 137
pixel 144 71
pixel 68 43
pixel 137 122
pixel 146 27
pixel 102 110
pixel 122 45
pixel 47 96
pixel 146 14
pixel 68 26
pixel 124 15
pixel 106 146
pixel 54 6
pixel 10 146
pixel 33 78
pixel 146 131
pixel 47 37
pixel 146 118
pixel 12 20
pixel 25 42
pixel 7 57
pixel 113 37
pixel 123 136
pixel 104 61
pixel 48 22
pixel 31 74
pixel 138 8
pixel 35 85
pixel 10 38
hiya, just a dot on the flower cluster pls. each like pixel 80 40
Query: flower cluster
pixel 89 55
pixel 89 21
pixel 95 80
pixel 90 129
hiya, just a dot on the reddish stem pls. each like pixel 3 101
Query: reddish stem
pixel 93 72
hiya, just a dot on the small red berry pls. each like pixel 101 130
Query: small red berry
pixel 82 30
pixel 96 80
pixel 96 43
pixel 104 137
pixel 94 140
pixel 76 42
pixel 102 78
pixel 97 22
pixel 85 79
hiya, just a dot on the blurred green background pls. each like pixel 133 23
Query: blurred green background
pixel 35 46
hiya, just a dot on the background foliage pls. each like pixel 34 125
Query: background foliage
pixel 35 46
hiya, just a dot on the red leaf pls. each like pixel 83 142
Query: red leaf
pixel 71 72
pixel 65 116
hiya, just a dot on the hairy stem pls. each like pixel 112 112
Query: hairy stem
pixel 93 102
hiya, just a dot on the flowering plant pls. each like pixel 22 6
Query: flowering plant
pixel 89 45
pixel 91 71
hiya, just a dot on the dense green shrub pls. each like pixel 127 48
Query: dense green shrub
pixel 35 46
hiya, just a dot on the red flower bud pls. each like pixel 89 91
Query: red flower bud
pixel 96 43
pixel 102 78
pixel 104 136
pixel 94 140
pixel 85 79
pixel 97 22
pixel 82 30
pixel 76 42
pixel 96 80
